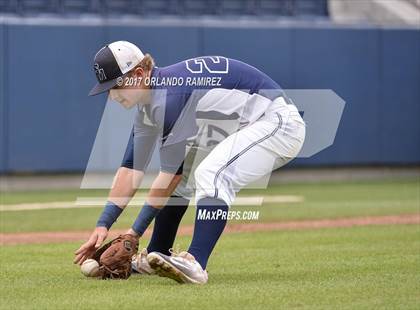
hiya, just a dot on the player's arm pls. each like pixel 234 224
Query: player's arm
pixel 127 179
pixel 119 196
pixel 163 186
pixel 126 182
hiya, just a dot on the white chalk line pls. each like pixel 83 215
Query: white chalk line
pixel 95 202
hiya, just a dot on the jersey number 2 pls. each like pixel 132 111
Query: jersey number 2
pixel 211 64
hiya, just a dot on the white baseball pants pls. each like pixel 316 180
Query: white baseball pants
pixel 251 153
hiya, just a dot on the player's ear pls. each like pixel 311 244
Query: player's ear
pixel 138 72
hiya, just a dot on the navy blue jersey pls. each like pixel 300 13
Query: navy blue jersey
pixel 199 74
pixel 177 90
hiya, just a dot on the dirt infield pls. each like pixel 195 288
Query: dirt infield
pixel 58 237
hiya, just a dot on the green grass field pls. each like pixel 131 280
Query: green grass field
pixel 324 200
pixel 357 268
pixel 332 268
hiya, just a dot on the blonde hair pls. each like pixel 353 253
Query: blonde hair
pixel 147 63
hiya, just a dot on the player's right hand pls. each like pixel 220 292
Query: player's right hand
pixel 89 247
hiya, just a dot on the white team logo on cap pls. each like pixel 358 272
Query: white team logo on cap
pixel 100 73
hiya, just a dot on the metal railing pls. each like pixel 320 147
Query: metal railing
pixel 166 7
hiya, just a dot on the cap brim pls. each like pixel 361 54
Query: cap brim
pixel 103 87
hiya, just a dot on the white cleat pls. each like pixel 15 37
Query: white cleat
pixel 140 265
pixel 181 267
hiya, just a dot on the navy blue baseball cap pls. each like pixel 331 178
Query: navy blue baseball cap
pixel 112 62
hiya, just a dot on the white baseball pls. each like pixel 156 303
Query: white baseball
pixel 90 268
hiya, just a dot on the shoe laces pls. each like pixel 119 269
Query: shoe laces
pixel 138 257
pixel 184 254
pixel 175 251
pixel 143 253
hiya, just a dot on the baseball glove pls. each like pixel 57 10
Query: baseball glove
pixel 114 258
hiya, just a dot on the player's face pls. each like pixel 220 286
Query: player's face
pixel 126 97
pixel 133 91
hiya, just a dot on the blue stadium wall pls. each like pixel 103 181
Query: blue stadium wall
pixel 48 124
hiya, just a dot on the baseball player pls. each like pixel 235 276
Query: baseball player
pixel 180 108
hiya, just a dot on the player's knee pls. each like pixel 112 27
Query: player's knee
pixel 203 176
